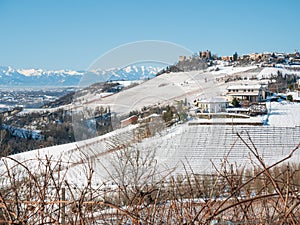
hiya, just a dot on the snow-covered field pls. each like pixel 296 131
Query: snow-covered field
pixel 167 88
pixel 229 70
pixel 202 147
pixel 43 110
pixel 268 72
pixel 283 114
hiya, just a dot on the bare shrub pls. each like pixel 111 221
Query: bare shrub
pixel 140 192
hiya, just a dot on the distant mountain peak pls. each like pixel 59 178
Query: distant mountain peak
pixel 38 77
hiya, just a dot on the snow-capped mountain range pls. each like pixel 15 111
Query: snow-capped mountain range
pixel 10 77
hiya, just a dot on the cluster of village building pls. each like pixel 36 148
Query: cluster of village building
pixel 266 58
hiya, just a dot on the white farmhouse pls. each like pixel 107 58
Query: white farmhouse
pixel 212 105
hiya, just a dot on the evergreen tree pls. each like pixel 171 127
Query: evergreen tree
pixel 235 102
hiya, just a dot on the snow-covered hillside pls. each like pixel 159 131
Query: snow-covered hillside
pixel 165 89
pixel 202 146
pixel 268 72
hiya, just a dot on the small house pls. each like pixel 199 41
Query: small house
pixel 212 105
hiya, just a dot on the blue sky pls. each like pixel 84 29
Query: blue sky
pixel 71 34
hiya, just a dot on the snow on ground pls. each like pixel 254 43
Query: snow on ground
pixel 43 110
pixel 200 145
pixel 164 89
pixel 3 106
pixel 203 146
pixel 127 83
pixel 269 71
pixel 229 70
pixel 250 120
pixel 74 157
pixel 283 114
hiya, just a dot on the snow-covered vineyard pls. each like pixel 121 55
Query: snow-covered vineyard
pixel 200 146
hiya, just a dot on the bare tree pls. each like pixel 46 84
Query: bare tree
pixel 138 191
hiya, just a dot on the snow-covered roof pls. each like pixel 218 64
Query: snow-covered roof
pixel 244 86
pixel 237 109
pixel 255 93
pixel 213 100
